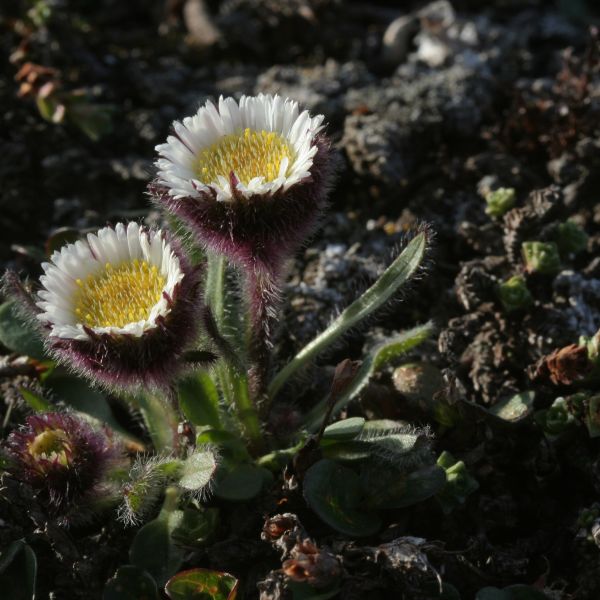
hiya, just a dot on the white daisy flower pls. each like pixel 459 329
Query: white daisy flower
pixel 119 281
pixel 262 145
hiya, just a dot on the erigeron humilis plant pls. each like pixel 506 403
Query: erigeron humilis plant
pixel 128 310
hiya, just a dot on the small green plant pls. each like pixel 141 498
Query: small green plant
pixel 570 238
pixel 184 336
pixel 513 294
pixel 500 201
pixel 541 257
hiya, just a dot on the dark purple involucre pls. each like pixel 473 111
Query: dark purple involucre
pixel 153 360
pixel 61 457
pixel 123 361
pixel 260 232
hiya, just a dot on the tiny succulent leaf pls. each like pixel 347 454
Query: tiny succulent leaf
pixel 500 201
pixel 459 483
pixel 541 257
pixel 334 493
pixel 202 584
pixel 515 408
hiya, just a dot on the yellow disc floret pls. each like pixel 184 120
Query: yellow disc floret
pixel 247 154
pixel 51 444
pixel 119 295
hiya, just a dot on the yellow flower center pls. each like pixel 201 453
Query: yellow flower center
pixel 119 295
pixel 51 444
pixel 247 154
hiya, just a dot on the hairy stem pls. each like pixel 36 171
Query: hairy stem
pixel 233 381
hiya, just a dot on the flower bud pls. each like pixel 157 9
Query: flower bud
pixel 61 457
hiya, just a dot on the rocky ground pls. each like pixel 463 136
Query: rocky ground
pixel 433 108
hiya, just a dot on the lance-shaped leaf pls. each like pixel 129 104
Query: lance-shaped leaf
pixel 199 400
pixel 374 298
pixel 334 493
pixel 347 429
pixel 382 440
pixel 202 584
pixel 380 356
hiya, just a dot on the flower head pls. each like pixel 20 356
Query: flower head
pixel 249 178
pixel 60 456
pixel 262 145
pixel 120 307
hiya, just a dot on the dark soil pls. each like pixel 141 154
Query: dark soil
pixel 466 99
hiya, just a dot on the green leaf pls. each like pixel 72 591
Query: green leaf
pixel 35 401
pixel 374 361
pixel 374 298
pixel 392 489
pixel 18 571
pixel 202 584
pixel 459 483
pixel 18 335
pixel 131 583
pixel 382 439
pixel 197 471
pixel 197 527
pixel 199 400
pixel 241 483
pixel 230 445
pixel 344 430
pixel 515 408
pixel 333 492
pixel 154 551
